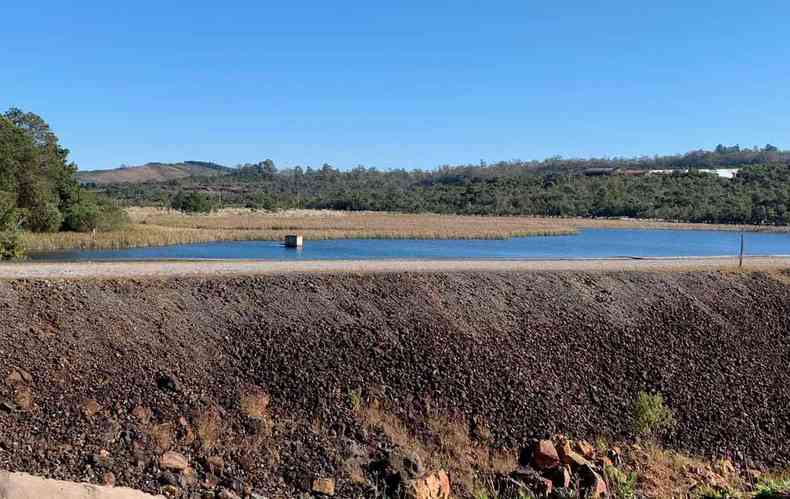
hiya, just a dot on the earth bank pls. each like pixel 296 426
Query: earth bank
pixel 271 384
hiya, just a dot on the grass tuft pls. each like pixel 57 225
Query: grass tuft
pixel 651 415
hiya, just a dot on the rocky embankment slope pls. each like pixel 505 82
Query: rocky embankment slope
pixel 277 384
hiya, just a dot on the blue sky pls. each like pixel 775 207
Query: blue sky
pixel 410 84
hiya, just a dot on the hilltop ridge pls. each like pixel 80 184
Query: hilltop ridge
pixel 152 172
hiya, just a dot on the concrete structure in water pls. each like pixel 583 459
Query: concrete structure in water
pixel 294 241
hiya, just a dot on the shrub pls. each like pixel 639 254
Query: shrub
pixel 622 485
pixel 209 428
pixel 82 216
pixel 192 202
pixel 355 399
pixel 651 415
pixel 45 217
pixel 11 247
pixel 111 217
pixel 9 214
pixel 708 492
pixel 94 213
pixel 254 403
pixel 773 487
pixel 260 201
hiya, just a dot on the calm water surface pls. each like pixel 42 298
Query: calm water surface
pixel 590 243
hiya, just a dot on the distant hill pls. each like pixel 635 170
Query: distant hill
pixel 152 172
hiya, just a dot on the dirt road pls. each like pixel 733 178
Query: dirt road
pixel 31 270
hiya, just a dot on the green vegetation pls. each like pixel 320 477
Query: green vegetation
pixel 355 400
pixel 709 492
pixel 651 415
pixel 38 188
pixel 192 202
pixel 563 493
pixel 622 485
pixel 759 194
pixel 489 493
pixel 773 487
pixel 11 245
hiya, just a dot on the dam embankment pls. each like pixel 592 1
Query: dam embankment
pixel 286 376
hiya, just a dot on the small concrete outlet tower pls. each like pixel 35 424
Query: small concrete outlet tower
pixel 294 241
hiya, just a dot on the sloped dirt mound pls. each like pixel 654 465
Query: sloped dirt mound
pixel 266 383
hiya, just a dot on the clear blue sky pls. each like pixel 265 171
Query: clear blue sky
pixel 411 84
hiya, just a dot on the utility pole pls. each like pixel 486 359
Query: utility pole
pixel 740 256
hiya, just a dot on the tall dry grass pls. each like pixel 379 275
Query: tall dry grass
pixel 162 227
pixel 157 227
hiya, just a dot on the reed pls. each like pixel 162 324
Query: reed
pixel 152 227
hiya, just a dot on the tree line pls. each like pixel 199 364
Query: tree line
pixel 759 193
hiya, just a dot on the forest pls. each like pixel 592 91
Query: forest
pixel 758 194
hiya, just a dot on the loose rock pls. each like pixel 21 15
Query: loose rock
pixel 89 408
pixel 173 461
pixel 545 455
pixel 24 398
pixel 216 464
pixel 432 486
pixel 324 486
pixel 586 449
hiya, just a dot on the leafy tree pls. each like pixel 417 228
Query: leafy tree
pixel 44 217
pixel 38 186
pixel 192 202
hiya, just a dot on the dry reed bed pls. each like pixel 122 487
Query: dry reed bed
pixel 162 228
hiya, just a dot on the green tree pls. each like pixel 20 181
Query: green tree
pixel 192 202
pixel 38 186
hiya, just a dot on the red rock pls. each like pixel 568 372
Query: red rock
pixel 545 455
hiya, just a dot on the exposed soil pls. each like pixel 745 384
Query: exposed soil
pixel 287 376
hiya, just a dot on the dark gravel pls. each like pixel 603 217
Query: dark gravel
pixel 527 353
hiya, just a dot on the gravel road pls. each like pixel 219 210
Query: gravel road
pixel 32 270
